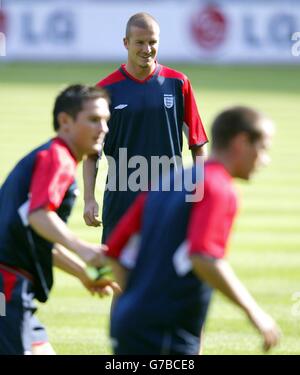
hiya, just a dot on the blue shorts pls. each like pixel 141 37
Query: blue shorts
pixel 138 333
pixel 155 342
pixel 19 327
pixel 145 337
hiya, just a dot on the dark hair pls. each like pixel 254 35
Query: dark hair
pixel 142 20
pixel 233 121
pixel 71 100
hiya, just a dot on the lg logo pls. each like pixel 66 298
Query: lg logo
pixel 56 27
pixel 296 45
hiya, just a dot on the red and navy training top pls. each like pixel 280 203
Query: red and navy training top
pixel 155 237
pixel 44 178
pixel 148 119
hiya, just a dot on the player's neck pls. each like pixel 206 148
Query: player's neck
pixel 224 159
pixel 139 73
pixel 76 153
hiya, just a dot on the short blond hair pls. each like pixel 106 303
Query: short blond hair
pixel 142 20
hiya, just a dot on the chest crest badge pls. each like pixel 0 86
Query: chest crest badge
pixel 168 100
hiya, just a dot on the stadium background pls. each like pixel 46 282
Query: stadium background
pixel 233 52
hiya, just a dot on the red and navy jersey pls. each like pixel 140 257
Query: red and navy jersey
pixel 160 230
pixel 42 179
pixel 148 119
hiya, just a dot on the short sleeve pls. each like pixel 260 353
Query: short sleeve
pixel 210 223
pixel 129 225
pixel 192 120
pixel 53 174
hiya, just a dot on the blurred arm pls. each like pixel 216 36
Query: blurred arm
pixel 49 226
pixel 69 263
pixel 120 272
pixel 219 274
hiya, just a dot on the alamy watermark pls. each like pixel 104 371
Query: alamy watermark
pixel 2 305
pixel 296 45
pixel 159 173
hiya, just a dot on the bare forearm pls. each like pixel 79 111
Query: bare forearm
pixel 120 272
pixel 91 208
pixel 220 275
pixel 89 177
pixel 67 261
pixel 49 226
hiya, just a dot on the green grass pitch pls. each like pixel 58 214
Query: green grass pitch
pixel 265 247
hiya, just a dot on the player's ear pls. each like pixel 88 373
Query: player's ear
pixel 125 42
pixel 239 142
pixel 64 120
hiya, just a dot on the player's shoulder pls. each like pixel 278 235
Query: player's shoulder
pixel 59 155
pixel 167 72
pixel 217 179
pixel 112 78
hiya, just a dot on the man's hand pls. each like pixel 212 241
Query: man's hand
pixel 91 213
pixel 70 263
pixel 266 326
pixel 102 287
pixel 91 254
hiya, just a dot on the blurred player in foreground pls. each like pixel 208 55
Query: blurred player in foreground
pixel 181 251
pixel 35 202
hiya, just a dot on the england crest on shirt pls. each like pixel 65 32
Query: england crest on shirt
pixel 168 100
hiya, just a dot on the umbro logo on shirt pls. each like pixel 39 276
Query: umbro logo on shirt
pixel 121 106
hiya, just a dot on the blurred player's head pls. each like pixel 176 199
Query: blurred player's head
pixel 242 137
pixel 142 40
pixel 80 117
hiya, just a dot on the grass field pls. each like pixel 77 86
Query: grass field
pixel 265 248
